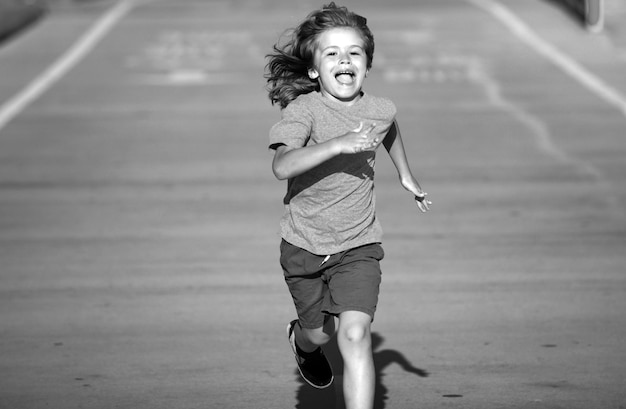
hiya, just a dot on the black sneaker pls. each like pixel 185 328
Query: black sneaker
pixel 314 367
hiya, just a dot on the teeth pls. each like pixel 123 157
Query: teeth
pixel 344 73
pixel 345 77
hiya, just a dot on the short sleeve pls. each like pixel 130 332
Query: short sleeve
pixel 294 128
pixel 387 109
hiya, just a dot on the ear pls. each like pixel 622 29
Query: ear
pixel 313 74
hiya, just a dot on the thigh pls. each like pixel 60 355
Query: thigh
pixel 305 283
pixel 354 283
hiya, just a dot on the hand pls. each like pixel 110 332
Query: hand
pixel 422 202
pixel 410 184
pixel 359 140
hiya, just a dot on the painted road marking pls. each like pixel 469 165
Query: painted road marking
pixel 65 63
pixel 179 58
pixel 538 128
pixel 439 69
pixel 556 56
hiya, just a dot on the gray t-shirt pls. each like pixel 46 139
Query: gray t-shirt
pixel 330 208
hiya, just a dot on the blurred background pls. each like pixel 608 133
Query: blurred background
pixel 139 215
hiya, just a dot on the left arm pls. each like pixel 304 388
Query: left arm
pixel 395 147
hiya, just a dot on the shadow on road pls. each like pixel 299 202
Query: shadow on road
pixel 332 397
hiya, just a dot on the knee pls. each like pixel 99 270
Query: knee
pixel 355 333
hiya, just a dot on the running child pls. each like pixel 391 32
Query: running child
pixel 325 147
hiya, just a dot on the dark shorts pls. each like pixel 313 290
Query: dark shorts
pixel 346 281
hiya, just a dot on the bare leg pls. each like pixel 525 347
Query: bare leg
pixel 309 339
pixel 355 344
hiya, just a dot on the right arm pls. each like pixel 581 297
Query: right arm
pixel 290 162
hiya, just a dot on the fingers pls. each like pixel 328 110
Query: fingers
pixel 423 207
pixel 365 132
pixel 366 144
pixel 423 203
pixel 369 146
pixel 369 129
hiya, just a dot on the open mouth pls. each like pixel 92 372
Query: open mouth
pixel 345 77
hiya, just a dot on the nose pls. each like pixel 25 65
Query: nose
pixel 345 59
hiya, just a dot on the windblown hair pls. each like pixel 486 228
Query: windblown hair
pixel 287 69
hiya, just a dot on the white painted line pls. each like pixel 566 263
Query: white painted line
pixel 66 62
pixel 538 128
pixel 560 59
pixel 189 78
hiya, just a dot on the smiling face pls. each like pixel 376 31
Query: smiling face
pixel 340 64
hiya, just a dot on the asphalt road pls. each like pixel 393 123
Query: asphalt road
pixel 139 215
